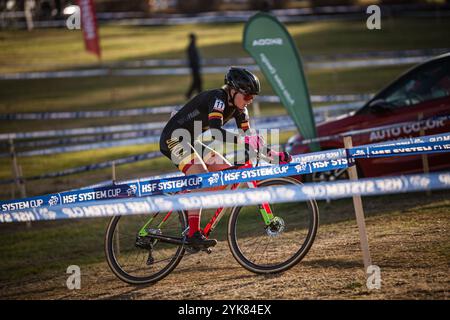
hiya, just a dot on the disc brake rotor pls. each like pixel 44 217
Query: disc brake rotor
pixel 276 227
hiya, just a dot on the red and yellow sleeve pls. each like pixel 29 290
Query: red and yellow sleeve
pixel 215 115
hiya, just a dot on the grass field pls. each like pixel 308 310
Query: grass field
pixel 44 49
pixel 54 49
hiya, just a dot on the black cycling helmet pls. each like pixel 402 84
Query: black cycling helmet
pixel 242 80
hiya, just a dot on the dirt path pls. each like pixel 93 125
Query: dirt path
pixel 411 248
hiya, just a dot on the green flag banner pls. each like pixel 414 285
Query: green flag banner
pixel 270 44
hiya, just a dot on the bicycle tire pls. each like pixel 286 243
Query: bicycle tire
pixel 119 270
pixel 240 256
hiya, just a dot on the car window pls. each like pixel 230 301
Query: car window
pixel 432 81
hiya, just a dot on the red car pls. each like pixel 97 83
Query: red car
pixel 423 91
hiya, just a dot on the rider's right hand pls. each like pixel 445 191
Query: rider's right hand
pixel 256 142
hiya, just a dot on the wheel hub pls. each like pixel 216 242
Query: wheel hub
pixel 276 227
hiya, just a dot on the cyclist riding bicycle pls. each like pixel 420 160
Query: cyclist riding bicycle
pixel 210 110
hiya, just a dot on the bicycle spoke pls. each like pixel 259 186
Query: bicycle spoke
pixel 256 248
pixel 130 263
pixel 126 235
pixel 265 249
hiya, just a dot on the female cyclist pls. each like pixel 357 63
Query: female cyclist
pixel 210 110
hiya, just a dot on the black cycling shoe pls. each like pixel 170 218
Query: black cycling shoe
pixel 199 241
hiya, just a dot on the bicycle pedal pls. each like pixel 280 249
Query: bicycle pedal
pixel 192 250
pixel 150 259
pixel 207 250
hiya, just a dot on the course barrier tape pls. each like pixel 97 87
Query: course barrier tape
pixel 249 60
pixel 97 166
pixel 177 71
pixel 114 129
pixel 269 122
pixel 176 184
pixel 420 145
pixel 314 156
pixel 72 144
pixel 83 139
pixel 82 143
pixel 216 179
pixel 287 125
pixel 82 131
pixel 298 158
pixel 377 54
pixel 168 109
pixel 413 127
pixel 88 114
pixel 272 122
pixel 244 197
pixel 90 167
pixel 284 122
pixel 84 147
pixel 363 63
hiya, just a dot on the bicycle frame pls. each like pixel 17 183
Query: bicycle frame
pixel 264 209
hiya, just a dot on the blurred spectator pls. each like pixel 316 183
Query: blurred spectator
pixel 194 64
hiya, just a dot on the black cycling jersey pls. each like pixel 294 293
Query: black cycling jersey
pixel 213 110
pixel 208 110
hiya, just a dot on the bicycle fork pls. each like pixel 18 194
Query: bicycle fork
pixel 264 209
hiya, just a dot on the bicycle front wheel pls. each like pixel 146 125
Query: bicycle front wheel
pixel 263 249
pixel 140 259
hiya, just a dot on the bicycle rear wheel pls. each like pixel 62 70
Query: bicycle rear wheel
pixel 271 250
pixel 142 260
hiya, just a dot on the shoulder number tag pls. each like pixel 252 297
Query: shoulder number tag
pixel 219 105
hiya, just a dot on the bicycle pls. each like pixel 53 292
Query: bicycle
pixel 155 244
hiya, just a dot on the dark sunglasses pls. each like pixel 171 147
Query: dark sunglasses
pixel 247 97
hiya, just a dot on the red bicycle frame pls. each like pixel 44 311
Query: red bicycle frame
pixel 264 208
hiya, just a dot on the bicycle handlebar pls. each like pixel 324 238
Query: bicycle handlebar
pixel 259 155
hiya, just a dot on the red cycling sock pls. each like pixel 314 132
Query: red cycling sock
pixel 194 224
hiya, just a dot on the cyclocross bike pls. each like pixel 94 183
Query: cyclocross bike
pixel 265 238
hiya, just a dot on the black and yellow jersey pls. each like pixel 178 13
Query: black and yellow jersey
pixel 212 110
